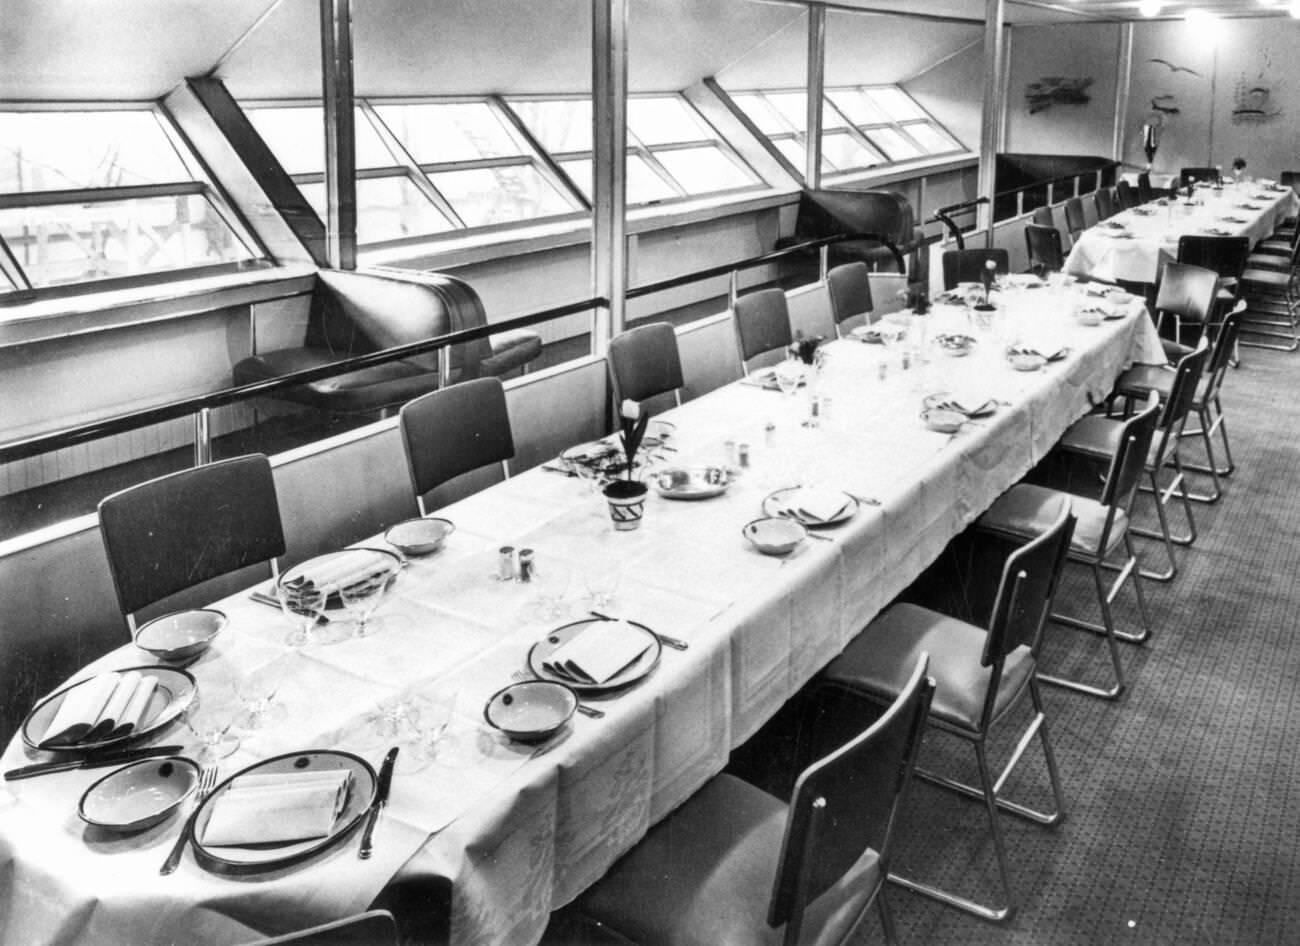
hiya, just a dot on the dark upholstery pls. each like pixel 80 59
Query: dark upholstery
pixel 373 928
pixel 1044 247
pixel 849 285
pixel 1075 220
pixel 1026 510
pixel 180 530
pixel 968 265
pixel 825 213
pixel 644 362
pixel 354 313
pixel 1187 294
pixel 1042 216
pixel 1195 175
pixel 1145 193
pixel 762 322
pixel 455 430
pixel 1126 195
pixel 1106 204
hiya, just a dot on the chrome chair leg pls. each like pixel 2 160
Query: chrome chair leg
pixel 886 918
pixel 1107 630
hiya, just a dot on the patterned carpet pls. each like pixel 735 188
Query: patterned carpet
pixel 1183 811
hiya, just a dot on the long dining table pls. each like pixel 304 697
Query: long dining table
pixel 1132 245
pixel 519 830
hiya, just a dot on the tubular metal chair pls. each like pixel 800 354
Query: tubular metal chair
pixel 1101 531
pixel 1104 198
pixel 968 265
pixel 180 530
pixel 1275 251
pixel 1139 380
pixel 1226 256
pixel 1044 245
pixel 762 321
pixel 1042 216
pixel 1189 176
pixel 455 430
pixel 849 287
pixel 1126 196
pixel 1145 193
pixel 980 678
pixel 1186 294
pixel 644 362
pixel 736 865
pixel 1097 436
pixel 372 928
pixel 1273 301
pixel 1075 220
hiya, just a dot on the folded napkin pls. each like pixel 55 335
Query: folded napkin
pixel 347 569
pixel 816 504
pixel 277 808
pixel 109 705
pixel 598 652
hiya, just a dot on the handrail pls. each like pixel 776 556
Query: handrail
pixel 199 404
pixel 943 215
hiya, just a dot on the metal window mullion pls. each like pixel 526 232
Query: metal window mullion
pixel 410 167
pixel 100 195
pixel 609 66
pixel 646 155
pixel 546 164
pixel 337 103
pixel 814 94
pixel 10 267
pixel 476 164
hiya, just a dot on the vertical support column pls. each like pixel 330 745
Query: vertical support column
pixel 994 103
pixel 1123 85
pixel 609 167
pixel 812 173
pixel 203 436
pixel 340 133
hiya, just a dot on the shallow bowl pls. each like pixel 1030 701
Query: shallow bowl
pixel 775 535
pixel 943 421
pixel 419 536
pixel 1026 361
pixel 1088 317
pixel 181 634
pixel 139 795
pixel 955 345
pixel 532 710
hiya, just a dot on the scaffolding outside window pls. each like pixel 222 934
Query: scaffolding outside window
pixel 89 196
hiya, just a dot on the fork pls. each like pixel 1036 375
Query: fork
pixel 523 676
pixel 207 782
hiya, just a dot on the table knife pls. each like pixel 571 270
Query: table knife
pixel 94 762
pixel 381 799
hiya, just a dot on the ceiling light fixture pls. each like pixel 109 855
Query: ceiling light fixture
pixel 1199 19
pixel 1149 8
pixel 1294 9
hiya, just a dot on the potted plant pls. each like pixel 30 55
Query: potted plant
pixel 626 495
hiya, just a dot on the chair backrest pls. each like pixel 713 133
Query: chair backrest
pixel 644 362
pixel 1043 216
pixel 1105 201
pixel 1189 176
pixel 1025 595
pixel 1225 343
pixel 1182 393
pixel 1130 461
pixel 849 286
pixel 454 430
pixel 1075 221
pixel 1226 255
pixel 1125 195
pixel 1290 179
pixel 1187 291
pixel 1044 245
pixel 845 803
pixel 180 530
pixel 372 928
pixel 968 265
pixel 762 322
pixel 1145 193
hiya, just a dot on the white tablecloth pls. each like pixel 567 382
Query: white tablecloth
pixel 1136 252
pixel 522 831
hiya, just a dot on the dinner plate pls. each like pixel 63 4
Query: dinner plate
pixel 784 502
pixel 657 432
pixel 876 334
pixel 946 400
pixel 260 857
pixel 172 696
pixel 337 574
pixel 637 670
pixel 701 482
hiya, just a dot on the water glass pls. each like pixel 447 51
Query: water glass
pixel 362 597
pixel 303 603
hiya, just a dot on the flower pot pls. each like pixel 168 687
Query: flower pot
pixel 626 500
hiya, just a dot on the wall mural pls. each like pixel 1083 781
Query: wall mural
pixel 1252 104
pixel 1056 90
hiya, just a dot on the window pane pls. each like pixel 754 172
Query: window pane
pixel 296 136
pixel 763 115
pixel 793 107
pixel 705 170
pixel 461 131
pixel 796 155
pixel 930 138
pixel 860 109
pixel 643 184
pixel 561 126
pixel 388 208
pixel 894 145
pixel 500 195
pixel 82 242
pixel 846 153
pixel 44 151
pixel 896 103
pixel 660 121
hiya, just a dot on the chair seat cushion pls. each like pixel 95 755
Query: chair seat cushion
pixel 369 389
pixel 1138 381
pixel 878 661
pixel 1266 277
pixel 1027 510
pixel 511 350
pixel 703 877
pixel 1097 436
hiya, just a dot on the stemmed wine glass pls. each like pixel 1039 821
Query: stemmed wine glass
pixel 212 717
pixel 362 596
pixel 788 375
pixel 303 603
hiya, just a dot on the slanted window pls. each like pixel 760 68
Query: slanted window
pixel 89 196
pixel 862 127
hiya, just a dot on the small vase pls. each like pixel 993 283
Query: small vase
pixel 626 500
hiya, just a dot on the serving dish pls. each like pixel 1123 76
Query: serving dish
pixel 139 795
pixel 775 535
pixel 955 345
pixel 181 634
pixel 420 536
pixel 701 482
pixel 531 710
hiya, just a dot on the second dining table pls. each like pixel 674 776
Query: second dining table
pixel 517 829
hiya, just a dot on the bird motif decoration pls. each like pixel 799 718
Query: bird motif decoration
pixel 1174 68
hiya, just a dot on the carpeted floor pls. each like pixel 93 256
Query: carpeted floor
pixel 1183 812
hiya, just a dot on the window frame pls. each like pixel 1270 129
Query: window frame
pixel 199 184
